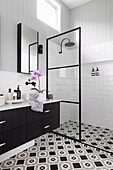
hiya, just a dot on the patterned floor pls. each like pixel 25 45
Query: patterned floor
pixel 53 152
pixel 96 136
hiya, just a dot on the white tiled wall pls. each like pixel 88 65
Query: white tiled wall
pixel 95 19
pixel 97 95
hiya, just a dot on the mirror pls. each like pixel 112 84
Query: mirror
pixel 27 49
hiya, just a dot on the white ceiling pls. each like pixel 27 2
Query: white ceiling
pixel 74 3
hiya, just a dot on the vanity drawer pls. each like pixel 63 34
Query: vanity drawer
pixel 50 110
pixel 12 139
pixel 8 141
pixel 1 121
pixel 41 127
pixel 34 130
pixel 50 124
pixel 2 143
pixel 13 119
pixel 5 142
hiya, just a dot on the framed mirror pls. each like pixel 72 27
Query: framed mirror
pixel 27 49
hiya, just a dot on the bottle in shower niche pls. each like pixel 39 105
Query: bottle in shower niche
pixel 97 71
pixel 93 72
pixel 18 93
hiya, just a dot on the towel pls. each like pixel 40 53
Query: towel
pixel 36 105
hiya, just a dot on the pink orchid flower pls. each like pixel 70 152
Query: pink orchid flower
pixel 29 79
pixel 38 73
pixel 33 77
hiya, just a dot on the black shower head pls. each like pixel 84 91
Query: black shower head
pixel 69 44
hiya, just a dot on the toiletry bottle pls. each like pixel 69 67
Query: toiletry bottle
pixel 93 71
pixel 97 71
pixel 15 95
pixel 18 93
pixel 9 95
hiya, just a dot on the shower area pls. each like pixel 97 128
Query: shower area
pixel 63 80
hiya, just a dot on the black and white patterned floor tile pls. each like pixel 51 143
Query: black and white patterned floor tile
pixel 53 152
pixel 96 136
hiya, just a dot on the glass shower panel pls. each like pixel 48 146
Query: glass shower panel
pixel 64 79
pixel 64 84
pixel 64 50
pixel 69 120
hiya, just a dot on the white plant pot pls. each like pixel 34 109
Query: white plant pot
pixel 42 97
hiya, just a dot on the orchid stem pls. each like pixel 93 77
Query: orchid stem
pixel 39 84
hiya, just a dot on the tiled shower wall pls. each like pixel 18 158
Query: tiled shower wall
pixel 97 95
pixel 95 19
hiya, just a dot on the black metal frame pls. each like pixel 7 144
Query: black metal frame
pixel 19 39
pixel 19 32
pixel 29 49
pixel 78 65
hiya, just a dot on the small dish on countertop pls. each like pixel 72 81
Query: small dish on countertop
pixel 14 101
pixel 2 99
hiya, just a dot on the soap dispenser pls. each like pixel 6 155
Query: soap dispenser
pixel 18 93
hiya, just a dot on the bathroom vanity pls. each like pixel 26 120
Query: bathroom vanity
pixel 19 124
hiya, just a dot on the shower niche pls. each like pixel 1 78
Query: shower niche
pixel 64 79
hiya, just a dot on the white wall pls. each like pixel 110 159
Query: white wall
pixel 95 19
pixel 13 12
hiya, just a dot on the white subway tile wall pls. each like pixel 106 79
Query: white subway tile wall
pixel 97 95
pixel 95 19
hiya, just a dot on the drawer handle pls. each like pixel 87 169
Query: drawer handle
pixel 2 144
pixel 46 127
pixel 47 111
pixel 2 122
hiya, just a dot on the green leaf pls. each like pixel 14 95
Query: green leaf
pixel 35 89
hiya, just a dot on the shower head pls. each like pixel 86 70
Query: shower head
pixel 69 44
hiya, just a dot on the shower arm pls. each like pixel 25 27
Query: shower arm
pixel 62 43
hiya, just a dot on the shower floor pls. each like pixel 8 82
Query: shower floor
pixel 93 135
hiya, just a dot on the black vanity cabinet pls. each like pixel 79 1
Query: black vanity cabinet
pixel 18 126
pixel 40 123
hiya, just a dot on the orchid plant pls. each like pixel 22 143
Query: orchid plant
pixel 34 77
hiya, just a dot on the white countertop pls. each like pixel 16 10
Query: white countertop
pixel 21 105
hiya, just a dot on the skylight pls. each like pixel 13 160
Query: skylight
pixel 49 11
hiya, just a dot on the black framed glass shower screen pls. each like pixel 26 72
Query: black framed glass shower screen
pixel 69 120
pixel 63 74
pixel 64 50
pixel 64 83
